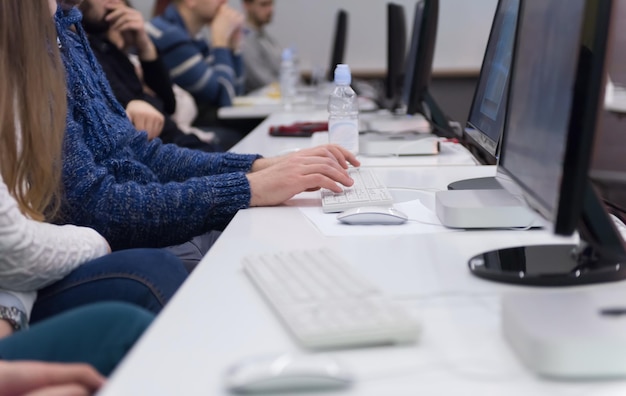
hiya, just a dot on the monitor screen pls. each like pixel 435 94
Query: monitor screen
pixel 486 117
pixel 552 122
pixel 396 48
pixel 608 169
pixel 418 63
pixel 552 106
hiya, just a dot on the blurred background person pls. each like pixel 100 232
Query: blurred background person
pixel 261 52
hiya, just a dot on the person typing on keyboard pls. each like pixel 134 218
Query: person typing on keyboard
pixel 138 192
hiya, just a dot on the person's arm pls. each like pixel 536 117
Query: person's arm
pixel 210 79
pixel 23 302
pixel 179 202
pixel 239 73
pixel 155 76
pixel 48 379
pixel 34 254
pixel 122 91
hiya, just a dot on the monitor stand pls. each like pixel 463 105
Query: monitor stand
pixel 599 257
pixel 480 183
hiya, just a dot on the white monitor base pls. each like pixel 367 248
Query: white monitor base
pixel 398 144
pixel 569 335
pixel 483 209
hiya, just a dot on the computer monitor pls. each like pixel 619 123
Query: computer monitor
pixel 608 170
pixel 396 48
pixel 339 42
pixel 485 122
pixel 555 96
pixel 419 63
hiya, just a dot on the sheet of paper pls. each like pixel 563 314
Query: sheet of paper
pixel 421 221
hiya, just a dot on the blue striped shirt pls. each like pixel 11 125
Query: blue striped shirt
pixel 213 76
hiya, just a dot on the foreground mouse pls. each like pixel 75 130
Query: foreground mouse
pixel 287 373
pixel 383 215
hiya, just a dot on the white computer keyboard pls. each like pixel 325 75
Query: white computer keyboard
pixel 367 190
pixel 325 303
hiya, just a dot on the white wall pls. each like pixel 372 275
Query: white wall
pixel 308 25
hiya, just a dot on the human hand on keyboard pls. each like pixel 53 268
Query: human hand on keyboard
pixel 338 153
pixel 276 180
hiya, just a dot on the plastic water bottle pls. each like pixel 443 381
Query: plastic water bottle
pixel 343 112
pixel 288 78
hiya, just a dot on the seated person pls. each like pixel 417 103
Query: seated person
pixel 210 71
pixel 114 29
pixel 72 264
pixel 261 52
pixel 33 253
pixel 140 193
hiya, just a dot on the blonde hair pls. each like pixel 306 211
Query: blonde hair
pixel 32 98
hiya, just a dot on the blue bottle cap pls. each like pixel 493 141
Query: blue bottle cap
pixel 342 74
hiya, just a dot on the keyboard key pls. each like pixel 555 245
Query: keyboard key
pixel 367 190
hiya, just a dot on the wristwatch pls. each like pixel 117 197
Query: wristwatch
pixel 14 316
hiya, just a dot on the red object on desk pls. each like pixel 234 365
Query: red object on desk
pixel 299 129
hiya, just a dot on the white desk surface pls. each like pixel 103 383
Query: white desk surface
pixel 616 106
pixel 265 102
pixel 218 317
pixel 259 141
pixel 615 99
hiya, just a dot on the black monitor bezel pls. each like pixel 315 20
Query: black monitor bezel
pixel 396 54
pixel 417 77
pixel 473 135
pixel 340 37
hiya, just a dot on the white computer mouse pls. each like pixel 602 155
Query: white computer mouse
pixel 383 215
pixel 287 373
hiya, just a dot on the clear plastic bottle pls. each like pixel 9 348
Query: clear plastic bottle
pixel 343 112
pixel 288 78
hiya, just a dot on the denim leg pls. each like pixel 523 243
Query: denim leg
pixel 97 334
pixel 144 277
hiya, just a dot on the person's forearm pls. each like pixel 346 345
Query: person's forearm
pixel 158 80
pixel 34 254
pixel 22 301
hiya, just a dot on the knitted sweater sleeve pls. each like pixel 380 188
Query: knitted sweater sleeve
pixel 174 163
pixel 195 192
pixel 34 254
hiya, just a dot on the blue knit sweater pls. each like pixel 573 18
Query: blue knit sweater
pixel 135 192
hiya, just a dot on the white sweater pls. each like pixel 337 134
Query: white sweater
pixel 35 254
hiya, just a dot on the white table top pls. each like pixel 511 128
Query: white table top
pixel 218 318
pixel 615 99
pixel 259 141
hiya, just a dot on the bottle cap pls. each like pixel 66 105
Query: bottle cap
pixel 342 74
pixel 287 55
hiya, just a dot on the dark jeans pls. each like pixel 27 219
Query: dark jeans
pixel 145 277
pixel 97 334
